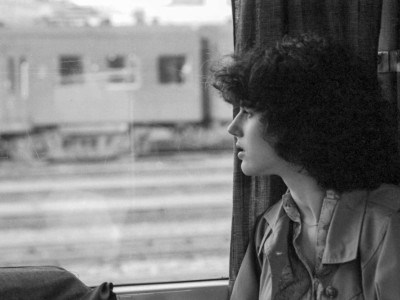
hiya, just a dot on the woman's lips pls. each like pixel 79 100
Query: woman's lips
pixel 240 155
pixel 240 152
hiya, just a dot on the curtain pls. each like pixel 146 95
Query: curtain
pixel 356 23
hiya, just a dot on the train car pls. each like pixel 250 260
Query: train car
pixel 98 83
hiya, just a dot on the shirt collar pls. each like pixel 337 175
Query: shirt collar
pixel 344 233
pixel 290 207
pixel 327 209
pixel 345 228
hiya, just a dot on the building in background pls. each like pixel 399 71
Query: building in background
pixel 187 12
pixel 27 13
pixel 92 13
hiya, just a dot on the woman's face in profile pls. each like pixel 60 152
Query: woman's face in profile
pixel 257 155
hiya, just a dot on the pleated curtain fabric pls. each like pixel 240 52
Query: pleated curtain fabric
pixel 355 23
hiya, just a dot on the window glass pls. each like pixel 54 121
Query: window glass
pixel 171 69
pixel 115 161
pixel 116 63
pixel 123 69
pixel 71 69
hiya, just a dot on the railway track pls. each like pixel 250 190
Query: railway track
pixel 93 251
pixel 100 221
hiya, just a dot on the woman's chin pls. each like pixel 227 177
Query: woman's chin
pixel 248 171
pixel 253 170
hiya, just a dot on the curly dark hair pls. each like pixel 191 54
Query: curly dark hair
pixel 321 105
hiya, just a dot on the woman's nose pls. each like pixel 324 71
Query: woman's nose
pixel 234 127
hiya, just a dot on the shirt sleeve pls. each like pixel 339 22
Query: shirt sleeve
pixel 247 281
pixel 246 285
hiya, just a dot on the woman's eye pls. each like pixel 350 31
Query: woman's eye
pixel 248 112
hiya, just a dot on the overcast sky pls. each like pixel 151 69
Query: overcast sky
pixel 122 4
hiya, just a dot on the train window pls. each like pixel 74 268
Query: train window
pixel 109 178
pixel 116 63
pixel 123 69
pixel 71 69
pixel 11 75
pixel 171 68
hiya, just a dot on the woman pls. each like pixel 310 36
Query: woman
pixel 313 114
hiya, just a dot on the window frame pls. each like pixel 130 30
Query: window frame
pixel 213 289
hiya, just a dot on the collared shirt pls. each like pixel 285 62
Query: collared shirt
pixel 298 279
pixel 362 242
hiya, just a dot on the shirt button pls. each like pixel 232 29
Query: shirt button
pixel 331 292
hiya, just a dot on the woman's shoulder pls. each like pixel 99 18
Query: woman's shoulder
pixel 381 220
pixel 385 198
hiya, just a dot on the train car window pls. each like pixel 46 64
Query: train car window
pixel 171 68
pixel 11 82
pixel 71 69
pixel 116 63
pixel 115 162
pixel 122 69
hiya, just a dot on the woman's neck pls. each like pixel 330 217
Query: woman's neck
pixel 307 194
